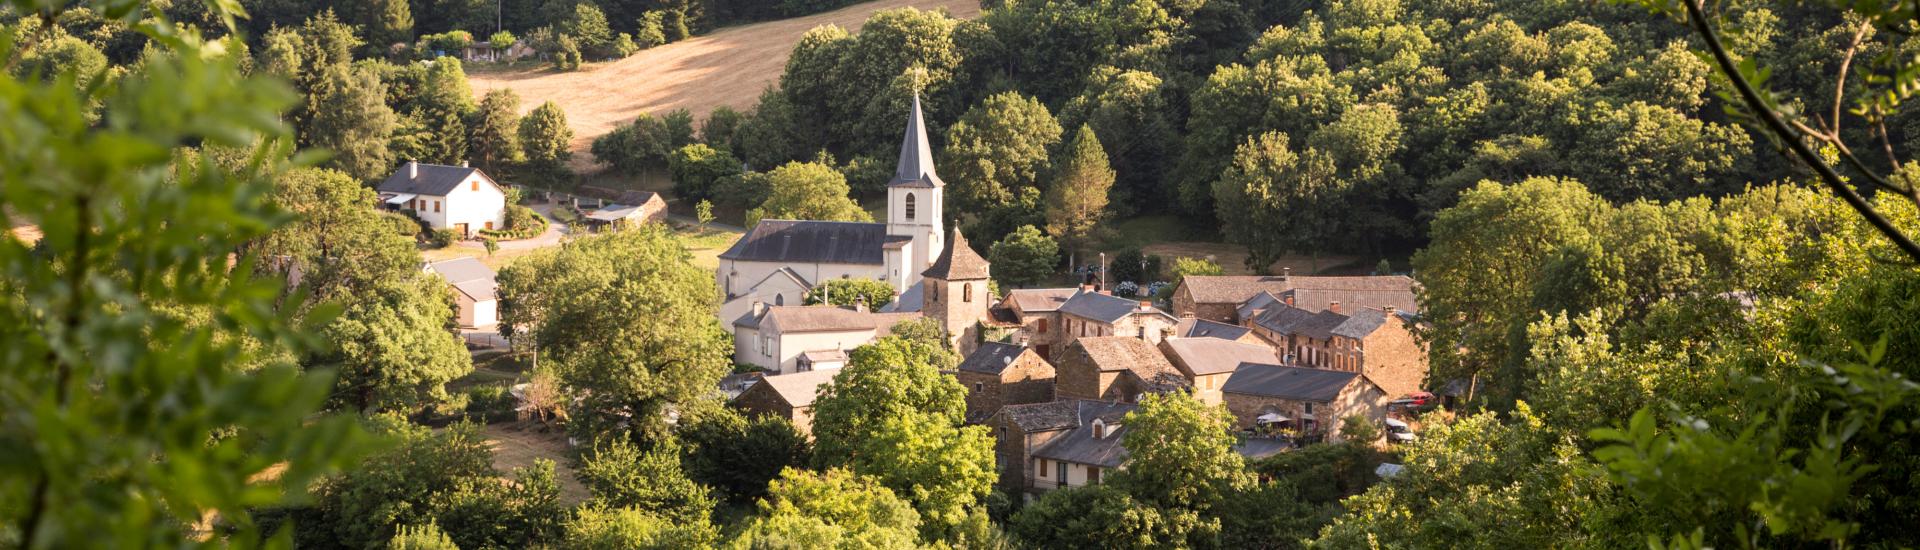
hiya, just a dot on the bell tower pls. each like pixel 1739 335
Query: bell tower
pixel 956 293
pixel 916 198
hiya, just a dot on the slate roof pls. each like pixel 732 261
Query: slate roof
pixel 1104 308
pixel 824 356
pixel 958 262
pixel 468 275
pixel 1079 446
pixel 1064 414
pixel 916 154
pixel 1296 383
pixel 1287 319
pixel 909 301
pixel 796 319
pixel 991 358
pixel 1035 300
pixel 1370 290
pixel 799 389
pixel 1202 328
pixel 433 179
pixel 1205 356
pixel 813 242
pixel 1126 353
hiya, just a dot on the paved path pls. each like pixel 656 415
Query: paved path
pixel 556 232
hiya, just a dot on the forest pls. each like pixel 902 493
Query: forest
pixel 1663 248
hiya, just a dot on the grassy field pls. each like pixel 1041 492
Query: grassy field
pixel 707 245
pixel 519 444
pixel 728 67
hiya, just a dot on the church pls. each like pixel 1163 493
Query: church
pixel 777 261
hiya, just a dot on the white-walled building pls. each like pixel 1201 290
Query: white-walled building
pixel 473 287
pixel 779 338
pixel 777 261
pixel 459 198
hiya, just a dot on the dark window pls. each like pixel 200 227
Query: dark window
pixel 1062 470
pixel 966 292
pixel 909 206
pixel 779 299
pixel 1093 475
pixel 1043 326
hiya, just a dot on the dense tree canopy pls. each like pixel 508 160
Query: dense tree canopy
pixel 625 315
pixel 808 191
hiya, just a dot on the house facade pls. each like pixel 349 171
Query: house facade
pixel 1312 400
pixel 788 396
pixel 473 290
pixel 1113 368
pixel 1091 314
pixel 1037 312
pixel 1025 434
pixel 1208 362
pixel 776 338
pixel 1377 343
pixel 457 198
pixel 999 374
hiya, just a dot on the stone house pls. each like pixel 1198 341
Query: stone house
pixel 1373 342
pixel 1088 313
pixel 776 338
pixel 1037 311
pixel 1219 297
pixel 458 198
pixel 1207 362
pixel 788 396
pixel 955 292
pixel 1000 374
pixel 1114 368
pixel 1315 400
pixel 1026 437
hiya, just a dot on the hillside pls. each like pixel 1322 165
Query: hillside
pixel 727 67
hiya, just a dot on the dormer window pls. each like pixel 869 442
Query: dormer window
pixel 910 208
pixel 1099 429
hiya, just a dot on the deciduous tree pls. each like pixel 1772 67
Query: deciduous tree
pixel 808 191
pixel 1025 257
pixel 996 149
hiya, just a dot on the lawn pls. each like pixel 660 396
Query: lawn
pixel 519 444
pixel 706 245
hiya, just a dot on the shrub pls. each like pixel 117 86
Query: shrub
pixel 401 223
pixel 490 402
pixel 652 31
pixel 441 238
pixel 501 40
pixel 449 42
pixel 623 45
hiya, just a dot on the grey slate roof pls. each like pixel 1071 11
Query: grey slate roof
pixel 1285 319
pixel 1081 447
pixel 812 242
pixel 1310 292
pixel 794 319
pixel 916 154
pixel 1206 356
pixel 958 262
pixel 433 179
pixel 909 301
pixel 1202 328
pixel 1034 300
pixel 991 358
pixel 1361 323
pixel 468 275
pixel 1296 383
pixel 1100 307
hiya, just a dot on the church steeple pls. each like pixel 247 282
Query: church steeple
pixel 916 155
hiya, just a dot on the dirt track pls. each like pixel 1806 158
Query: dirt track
pixel 728 67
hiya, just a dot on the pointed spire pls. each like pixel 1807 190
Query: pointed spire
pixel 916 154
pixel 958 262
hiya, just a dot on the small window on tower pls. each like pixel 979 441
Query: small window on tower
pixel 909 206
pixel 966 293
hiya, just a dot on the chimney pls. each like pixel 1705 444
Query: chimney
pixel 759 308
pixel 1146 305
pixel 1186 315
pixel 1086 287
pixel 860 305
pixel 463 164
pixel 1289 298
pixel 1333 307
pixel 1389 310
pixel 1286 273
pixel 413 170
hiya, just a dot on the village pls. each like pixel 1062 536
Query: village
pixel 1053 371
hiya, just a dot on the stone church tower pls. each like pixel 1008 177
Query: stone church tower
pixel 916 198
pixel 956 293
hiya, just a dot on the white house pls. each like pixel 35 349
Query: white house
pixel 459 198
pixel 473 287
pixel 794 255
pixel 785 340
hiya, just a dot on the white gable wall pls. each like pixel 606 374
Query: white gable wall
pixel 475 202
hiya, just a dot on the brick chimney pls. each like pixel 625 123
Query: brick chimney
pixel 1333 307
pixel 1389 310
pixel 1146 305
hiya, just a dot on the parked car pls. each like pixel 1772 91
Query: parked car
pixel 1399 432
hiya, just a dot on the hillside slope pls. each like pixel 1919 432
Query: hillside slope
pixel 728 67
